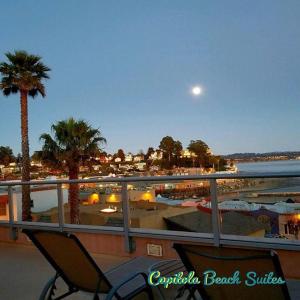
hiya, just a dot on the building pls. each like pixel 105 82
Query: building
pixel 118 159
pixel 128 157
pixel 156 155
pixel 232 223
pixel 138 158
pixel 186 153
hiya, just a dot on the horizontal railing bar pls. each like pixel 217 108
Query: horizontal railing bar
pixel 264 245
pixel 94 227
pixel 20 224
pixel 156 178
pixel 71 228
pixel 160 232
pixel 260 239
pixel 181 238
pixel 229 240
pixel 4 223
pixel 93 230
pixel 37 227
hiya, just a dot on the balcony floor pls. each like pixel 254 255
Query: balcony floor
pixel 23 273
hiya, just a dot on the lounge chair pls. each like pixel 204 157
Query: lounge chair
pixel 79 271
pixel 226 261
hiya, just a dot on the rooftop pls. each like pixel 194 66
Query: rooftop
pixel 198 221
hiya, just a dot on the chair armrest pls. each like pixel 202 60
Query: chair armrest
pixel 115 288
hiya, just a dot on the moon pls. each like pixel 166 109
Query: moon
pixel 197 90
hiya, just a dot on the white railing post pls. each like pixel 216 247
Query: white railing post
pixel 126 217
pixel 215 212
pixel 12 229
pixel 61 213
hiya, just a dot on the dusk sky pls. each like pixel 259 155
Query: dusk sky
pixel 127 67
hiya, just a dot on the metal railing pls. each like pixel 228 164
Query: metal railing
pixel 215 238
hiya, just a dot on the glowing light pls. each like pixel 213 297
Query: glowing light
pixel 112 198
pixel 93 198
pixel 147 196
pixel 197 90
pixel 108 210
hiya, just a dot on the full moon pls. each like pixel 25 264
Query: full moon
pixel 197 90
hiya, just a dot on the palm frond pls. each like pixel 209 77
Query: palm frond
pixel 23 71
pixel 73 141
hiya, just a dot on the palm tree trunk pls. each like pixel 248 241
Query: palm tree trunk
pixel 26 211
pixel 74 194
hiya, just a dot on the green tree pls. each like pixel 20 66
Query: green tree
pixel 73 143
pixel 6 156
pixel 171 150
pixel 121 154
pixel 36 156
pixel 177 150
pixel 167 146
pixel 200 149
pixel 24 73
pixel 141 153
pixel 150 151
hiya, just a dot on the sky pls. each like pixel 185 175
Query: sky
pixel 127 67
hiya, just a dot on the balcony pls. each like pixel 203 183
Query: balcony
pixel 123 218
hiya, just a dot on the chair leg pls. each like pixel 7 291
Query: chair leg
pixel 48 289
pixel 149 293
pixel 191 293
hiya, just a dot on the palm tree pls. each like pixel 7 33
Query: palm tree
pixel 73 143
pixel 24 73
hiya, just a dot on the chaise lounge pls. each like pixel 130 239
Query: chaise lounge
pixel 79 271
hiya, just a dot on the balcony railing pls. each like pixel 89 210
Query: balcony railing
pixel 214 238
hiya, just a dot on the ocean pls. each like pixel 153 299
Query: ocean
pixel 270 166
pixel 288 185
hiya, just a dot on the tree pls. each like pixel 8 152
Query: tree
pixel 141 153
pixel 24 73
pixel 150 151
pixel 200 149
pixel 121 154
pixel 19 160
pixel 6 156
pixel 171 149
pixel 73 143
pixel 167 146
pixel 177 149
pixel 36 156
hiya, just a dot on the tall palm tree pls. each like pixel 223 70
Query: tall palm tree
pixel 24 73
pixel 73 143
